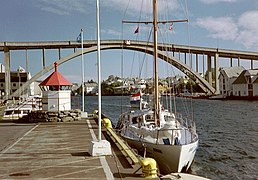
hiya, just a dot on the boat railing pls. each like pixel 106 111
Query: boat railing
pixel 186 122
pixel 175 136
pixel 178 136
pixel 22 107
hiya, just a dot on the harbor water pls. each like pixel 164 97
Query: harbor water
pixel 228 132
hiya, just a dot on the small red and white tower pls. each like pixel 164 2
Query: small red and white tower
pixel 56 92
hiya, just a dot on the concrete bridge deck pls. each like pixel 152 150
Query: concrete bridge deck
pixel 57 151
pixel 211 56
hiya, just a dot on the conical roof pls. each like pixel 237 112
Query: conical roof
pixel 55 79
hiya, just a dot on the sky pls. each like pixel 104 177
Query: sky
pixel 227 24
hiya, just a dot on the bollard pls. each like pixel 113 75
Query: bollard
pixel 107 123
pixel 149 167
pixel 95 114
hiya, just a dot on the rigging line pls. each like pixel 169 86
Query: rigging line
pixel 148 37
pixel 145 55
pixel 122 53
pixel 186 12
pixel 122 67
pixel 166 51
pixel 166 14
pixel 126 9
pixel 166 60
pixel 140 17
pixel 132 64
pixel 174 98
pixel 189 39
pixel 173 71
pixel 183 7
pixel 137 38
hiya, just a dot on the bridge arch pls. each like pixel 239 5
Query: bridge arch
pixel 161 54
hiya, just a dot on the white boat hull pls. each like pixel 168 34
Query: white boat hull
pixel 170 158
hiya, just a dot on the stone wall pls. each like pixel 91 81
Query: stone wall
pixel 52 116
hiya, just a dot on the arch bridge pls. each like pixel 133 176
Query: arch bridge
pixel 174 58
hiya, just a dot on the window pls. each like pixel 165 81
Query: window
pixel 25 111
pixel 17 111
pixel 14 84
pixel 8 112
pixel 249 79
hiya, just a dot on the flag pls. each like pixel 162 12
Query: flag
pixel 136 30
pixel 135 97
pixel 79 38
pixel 171 27
pixel 135 100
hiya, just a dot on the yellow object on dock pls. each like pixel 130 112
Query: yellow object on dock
pixel 149 167
pixel 107 123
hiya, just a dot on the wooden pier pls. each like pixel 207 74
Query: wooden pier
pixel 58 151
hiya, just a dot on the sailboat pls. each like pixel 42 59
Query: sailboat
pixel 166 136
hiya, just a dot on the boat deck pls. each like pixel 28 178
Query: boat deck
pixel 57 151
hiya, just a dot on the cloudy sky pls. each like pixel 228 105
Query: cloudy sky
pixel 228 24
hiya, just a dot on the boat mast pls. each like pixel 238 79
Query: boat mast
pixel 155 55
pixel 155 23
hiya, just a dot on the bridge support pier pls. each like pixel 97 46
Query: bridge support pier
pixel 216 69
pixel 196 63
pixel 209 70
pixel 43 58
pixel 7 72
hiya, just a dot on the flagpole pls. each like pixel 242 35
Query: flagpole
pixel 99 73
pixel 99 147
pixel 83 110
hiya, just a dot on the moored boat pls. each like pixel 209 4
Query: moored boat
pixel 172 143
pixel 23 108
pixel 166 136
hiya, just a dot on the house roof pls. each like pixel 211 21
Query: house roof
pixel 256 80
pixel 55 79
pixel 253 72
pixel 242 77
pixel 233 71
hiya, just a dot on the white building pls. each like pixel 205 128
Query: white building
pixel 246 84
pixel 91 88
pixel 226 78
pixel 18 78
